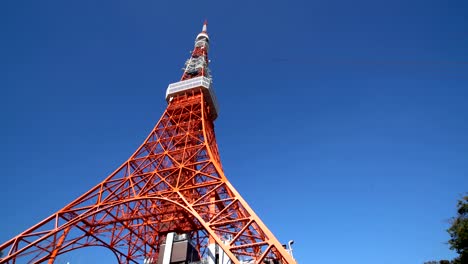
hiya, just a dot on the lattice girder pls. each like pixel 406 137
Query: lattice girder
pixel 174 182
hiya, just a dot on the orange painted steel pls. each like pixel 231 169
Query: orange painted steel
pixel 174 182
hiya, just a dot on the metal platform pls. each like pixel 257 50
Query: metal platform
pixel 199 82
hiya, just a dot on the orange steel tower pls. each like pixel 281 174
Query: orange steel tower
pixel 172 186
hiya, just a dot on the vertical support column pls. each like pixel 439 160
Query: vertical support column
pixel 168 248
pixel 212 247
pixel 217 255
pixel 223 257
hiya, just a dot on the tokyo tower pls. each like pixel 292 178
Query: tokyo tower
pixel 170 202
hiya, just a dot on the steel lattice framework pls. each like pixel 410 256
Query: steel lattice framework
pixel 174 182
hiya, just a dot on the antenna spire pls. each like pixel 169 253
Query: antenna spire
pixel 204 25
pixel 197 65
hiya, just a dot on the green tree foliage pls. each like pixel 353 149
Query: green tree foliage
pixel 459 232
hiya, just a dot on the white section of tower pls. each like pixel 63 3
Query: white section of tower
pixel 168 248
pixel 203 33
pixel 222 257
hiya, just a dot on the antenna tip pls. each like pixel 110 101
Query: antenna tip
pixel 204 25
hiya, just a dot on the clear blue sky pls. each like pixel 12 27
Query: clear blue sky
pixel 343 123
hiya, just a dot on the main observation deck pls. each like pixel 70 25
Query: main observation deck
pixel 199 82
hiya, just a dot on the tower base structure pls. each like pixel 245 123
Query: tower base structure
pixel 170 202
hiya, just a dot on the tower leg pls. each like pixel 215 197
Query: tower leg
pixel 58 246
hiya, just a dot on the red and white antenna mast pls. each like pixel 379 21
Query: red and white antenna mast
pixel 197 65
pixel 197 74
